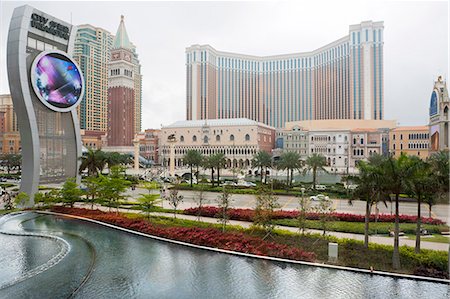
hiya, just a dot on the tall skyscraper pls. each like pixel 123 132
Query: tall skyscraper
pixel 124 90
pixel 92 52
pixel 341 80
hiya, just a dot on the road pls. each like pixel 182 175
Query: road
pixel 441 212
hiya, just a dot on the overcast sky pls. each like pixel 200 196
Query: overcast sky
pixel 416 41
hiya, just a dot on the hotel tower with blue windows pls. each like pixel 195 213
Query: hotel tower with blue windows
pixel 342 80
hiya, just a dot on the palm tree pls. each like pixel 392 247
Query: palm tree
pixel 219 161
pixel 262 160
pixel 94 161
pixel 208 163
pixel 397 171
pixel 419 183
pixel 315 162
pixel 192 158
pixel 371 188
pixel 290 161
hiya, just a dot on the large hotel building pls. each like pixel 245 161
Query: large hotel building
pixel 341 80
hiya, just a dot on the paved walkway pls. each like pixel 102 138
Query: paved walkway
pixel 245 224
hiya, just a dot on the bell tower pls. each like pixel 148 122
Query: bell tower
pixel 121 91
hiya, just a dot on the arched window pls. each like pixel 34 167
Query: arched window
pixel 181 138
pixel 194 138
pixel 231 137
pixel 217 137
pixel 205 139
pixel 247 137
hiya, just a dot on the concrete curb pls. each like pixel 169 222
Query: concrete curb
pixel 356 270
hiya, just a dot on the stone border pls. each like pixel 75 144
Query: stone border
pixel 365 271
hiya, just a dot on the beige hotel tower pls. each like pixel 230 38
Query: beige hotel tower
pixel 341 80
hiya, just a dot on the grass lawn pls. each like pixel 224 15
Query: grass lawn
pixel 358 227
pixel 433 238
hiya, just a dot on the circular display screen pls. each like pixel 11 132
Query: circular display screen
pixel 57 80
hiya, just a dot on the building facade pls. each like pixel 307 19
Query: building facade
pixel 439 120
pixel 343 143
pixel 92 52
pixel 124 91
pixel 238 139
pixel 413 141
pixel 149 145
pixel 341 80
pixel 9 128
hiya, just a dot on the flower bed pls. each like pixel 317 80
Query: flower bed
pixel 248 215
pixel 209 237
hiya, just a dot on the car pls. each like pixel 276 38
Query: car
pixel 246 184
pixel 3 180
pixel 318 197
pixel 321 187
pixel 351 187
pixel 229 183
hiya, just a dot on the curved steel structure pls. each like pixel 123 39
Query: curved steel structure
pixel 50 136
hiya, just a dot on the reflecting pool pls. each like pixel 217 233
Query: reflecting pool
pixel 100 262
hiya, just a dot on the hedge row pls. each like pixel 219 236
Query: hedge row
pixel 209 237
pixel 248 215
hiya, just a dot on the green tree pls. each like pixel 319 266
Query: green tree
pixel 325 209
pixel 290 161
pixel 94 161
pixel 419 183
pixel 21 199
pixel 174 200
pixel 262 160
pixel 11 161
pixel 48 198
pixel 208 163
pixel 200 199
pixel 371 188
pixel 219 162
pixel 115 159
pixel 224 203
pixel 113 186
pixel 193 158
pixel 266 203
pixel 315 162
pixel 70 192
pixel 396 172
pixel 148 202
pixel 92 189
pixel 304 207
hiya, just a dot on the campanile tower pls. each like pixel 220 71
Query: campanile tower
pixel 121 90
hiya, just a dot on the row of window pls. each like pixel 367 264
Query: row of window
pixel 206 138
pixel 209 151
pixel 417 145
pixel 419 136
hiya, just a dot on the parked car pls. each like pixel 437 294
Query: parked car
pixel 350 187
pixel 319 187
pixel 3 180
pixel 246 184
pixel 318 197
pixel 229 183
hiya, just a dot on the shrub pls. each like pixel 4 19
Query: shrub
pixel 248 215
pixel 210 237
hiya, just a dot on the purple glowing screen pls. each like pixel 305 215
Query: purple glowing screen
pixel 58 80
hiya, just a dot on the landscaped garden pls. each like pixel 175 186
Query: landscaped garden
pixel 283 244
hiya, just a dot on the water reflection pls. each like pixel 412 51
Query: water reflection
pixel 129 266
